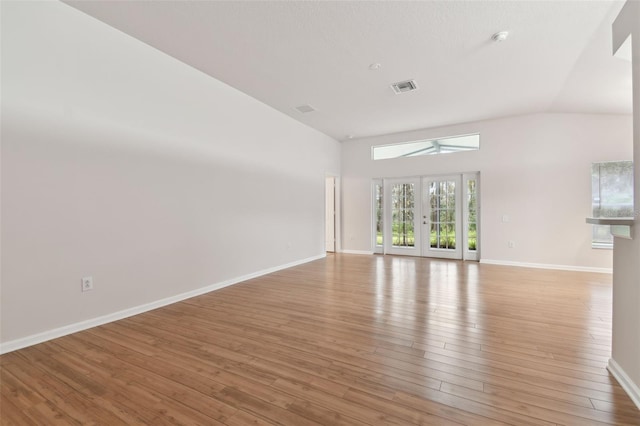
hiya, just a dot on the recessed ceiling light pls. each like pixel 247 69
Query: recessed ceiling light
pixel 501 36
pixel 375 66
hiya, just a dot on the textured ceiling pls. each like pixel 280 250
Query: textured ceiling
pixel 286 54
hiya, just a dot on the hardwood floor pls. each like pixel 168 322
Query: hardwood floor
pixel 353 340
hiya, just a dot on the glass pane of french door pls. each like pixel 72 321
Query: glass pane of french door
pixel 402 215
pixel 442 198
pixel 401 226
pixel 378 216
pixel 471 223
pixel 442 217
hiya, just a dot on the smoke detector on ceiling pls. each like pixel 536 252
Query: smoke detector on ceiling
pixel 305 108
pixel 404 86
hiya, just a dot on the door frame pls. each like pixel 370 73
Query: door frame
pixel 418 250
pixel 337 209
pixel 330 214
pixel 427 251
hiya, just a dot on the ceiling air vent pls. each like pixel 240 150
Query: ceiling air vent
pixel 404 86
pixel 305 108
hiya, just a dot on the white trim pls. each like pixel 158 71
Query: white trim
pixel 34 339
pixel 625 381
pixel 345 251
pixel 548 266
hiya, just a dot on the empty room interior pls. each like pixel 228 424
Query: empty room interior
pixel 317 212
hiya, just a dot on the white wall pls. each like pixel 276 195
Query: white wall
pixel 535 168
pixel 625 354
pixel 122 163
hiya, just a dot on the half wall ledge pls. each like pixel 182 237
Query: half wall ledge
pixel 620 226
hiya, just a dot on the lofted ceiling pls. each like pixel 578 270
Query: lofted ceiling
pixel 288 54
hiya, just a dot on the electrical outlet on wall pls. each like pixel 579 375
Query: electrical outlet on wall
pixel 87 283
pixel 511 244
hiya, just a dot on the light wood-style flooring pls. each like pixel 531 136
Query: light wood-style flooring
pixel 353 340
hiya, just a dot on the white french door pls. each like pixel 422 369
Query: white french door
pixel 402 212
pixel 442 217
pixel 432 216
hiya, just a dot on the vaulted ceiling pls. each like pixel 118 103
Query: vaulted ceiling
pixel 319 53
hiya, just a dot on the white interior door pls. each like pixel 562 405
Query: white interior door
pixel 330 214
pixel 441 221
pixel 402 214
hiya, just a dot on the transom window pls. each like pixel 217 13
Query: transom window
pixel 427 147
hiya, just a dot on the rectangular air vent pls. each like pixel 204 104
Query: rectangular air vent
pixel 404 86
pixel 305 108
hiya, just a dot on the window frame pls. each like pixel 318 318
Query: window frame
pixel 599 243
pixel 418 150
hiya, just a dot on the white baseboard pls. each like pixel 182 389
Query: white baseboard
pixel 356 251
pixel 548 266
pixel 625 381
pixel 34 339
